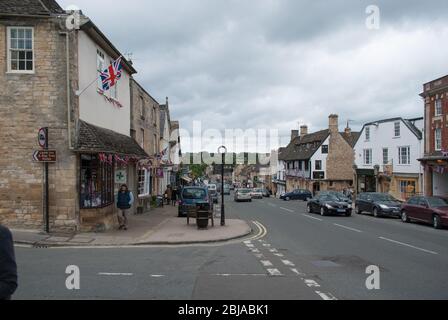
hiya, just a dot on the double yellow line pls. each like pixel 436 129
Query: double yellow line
pixel 262 232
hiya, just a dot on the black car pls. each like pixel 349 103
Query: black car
pixel 329 205
pixel 341 196
pixel 378 204
pixel 298 194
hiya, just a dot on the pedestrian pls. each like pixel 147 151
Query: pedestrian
pixel 125 200
pixel 8 266
pixel 174 197
pixel 168 194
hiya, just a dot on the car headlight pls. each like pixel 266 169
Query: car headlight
pixel 382 206
pixel 328 206
pixel 349 206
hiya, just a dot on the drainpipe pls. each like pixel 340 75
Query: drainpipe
pixel 69 112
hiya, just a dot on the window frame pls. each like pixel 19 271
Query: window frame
pixel 8 51
pixel 146 183
pixel 368 133
pixel 438 140
pixel 397 127
pixel 385 156
pixel 100 57
pixel 400 159
pixel 370 151
pixel 325 149
pixel 318 165
pixel 438 105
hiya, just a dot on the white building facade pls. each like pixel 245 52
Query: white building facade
pixel 386 157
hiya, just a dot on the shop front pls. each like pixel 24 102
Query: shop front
pixel 365 181
pixel 107 160
pixel 436 175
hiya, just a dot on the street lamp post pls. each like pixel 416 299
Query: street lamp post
pixel 222 150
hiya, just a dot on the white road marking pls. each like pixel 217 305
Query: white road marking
pixel 312 284
pixel 267 245
pixel 247 242
pixel 275 272
pixel 260 256
pixel 297 272
pixel 157 276
pixel 314 218
pixel 266 263
pixel 409 246
pixel 115 274
pixel 326 296
pixel 280 255
pixel 273 250
pixel 241 275
pixel 250 246
pixel 289 210
pixel 288 263
pixel 255 251
pixel 347 228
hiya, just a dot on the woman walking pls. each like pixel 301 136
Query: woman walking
pixel 174 197
pixel 125 200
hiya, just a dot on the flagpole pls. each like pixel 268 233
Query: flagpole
pixel 79 93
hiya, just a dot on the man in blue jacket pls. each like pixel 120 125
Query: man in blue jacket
pixel 8 266
pixel 125 200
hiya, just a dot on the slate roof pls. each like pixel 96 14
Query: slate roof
pixel 95 139
pixel 30 7
pixel 408 122
pixel 304 148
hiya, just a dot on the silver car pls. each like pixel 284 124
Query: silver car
pixel 243 195
pixel 257 194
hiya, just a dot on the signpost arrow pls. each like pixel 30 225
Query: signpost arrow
pixel 45 156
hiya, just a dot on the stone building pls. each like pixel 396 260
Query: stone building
pixel 145 129
pixel 46 70
pixel 435 159
pixel 320 161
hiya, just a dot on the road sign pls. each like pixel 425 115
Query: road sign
pixel 42 137
pixel 44 156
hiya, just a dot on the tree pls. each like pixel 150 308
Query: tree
pixel 198 170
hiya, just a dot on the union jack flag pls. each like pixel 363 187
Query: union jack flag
pixel 112 74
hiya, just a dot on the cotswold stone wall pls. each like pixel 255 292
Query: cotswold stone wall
pixel 341 158
pixel 27 103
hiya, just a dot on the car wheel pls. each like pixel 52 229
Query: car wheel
pixel 436 222
pixel 348 214
pixel 309 209
pixel 322 212
pixel 404 217
pixel 357 210
pixel 288 199
pixel 376 213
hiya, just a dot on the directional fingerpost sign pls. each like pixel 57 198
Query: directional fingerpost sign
pixel 42 137
pixel 44 156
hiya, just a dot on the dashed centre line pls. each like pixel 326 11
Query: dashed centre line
pixel 288 210
pixel 310 217
pixel 347 228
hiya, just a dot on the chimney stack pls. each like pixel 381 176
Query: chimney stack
pixel 303 131
pixel 334 123
pixel 294 134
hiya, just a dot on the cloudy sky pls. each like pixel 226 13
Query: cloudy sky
pixel 272 64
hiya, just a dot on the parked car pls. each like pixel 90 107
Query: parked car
pixel 213 190
pixel 226 190
pixel 341 196
pixel 257 194
pixel 328 204
pixel 266 193
pixel 378 204
pixel 298 194
pixel 243 195
pixel 194 196
pixel 432 210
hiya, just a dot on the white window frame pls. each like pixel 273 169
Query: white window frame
pixel 368 133
pixel 8 50
pixel 142 138
pixel 438 139
pixel 100 60
pixel 370 152
pixel 146 183
pixel 400 159
pixel 385 156
pixel 397 124
pixel 438 107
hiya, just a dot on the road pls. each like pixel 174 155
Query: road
pixel 291 256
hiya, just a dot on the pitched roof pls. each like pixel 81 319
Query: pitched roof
pixel 95 139
pixel 304 148
pixel 408 122
pixel 30 7
pixel 351 137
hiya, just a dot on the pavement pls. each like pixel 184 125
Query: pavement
pixel 159 227
pixel 292 255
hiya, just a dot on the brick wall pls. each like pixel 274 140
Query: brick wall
pixel 27 103
pixel 434 122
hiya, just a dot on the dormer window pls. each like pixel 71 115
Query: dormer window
pixel 397 130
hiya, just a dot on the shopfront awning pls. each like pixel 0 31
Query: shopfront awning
pixel 93 139
pixel 365 172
